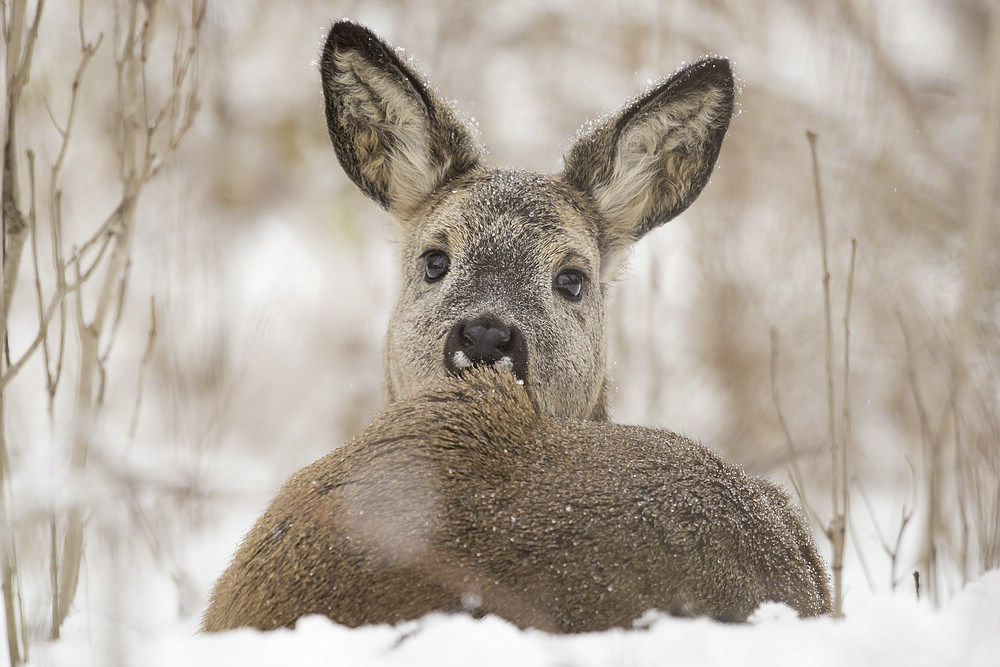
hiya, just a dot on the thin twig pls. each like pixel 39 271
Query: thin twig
pixel 845 431
pixel 54 577
pixel 20 45
pixel 836 530
pixel 891 550
pixel 53 372
pixel 147 357
pixel 862 560
pixel 796 472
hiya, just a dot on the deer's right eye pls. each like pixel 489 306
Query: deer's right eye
pixel 436 264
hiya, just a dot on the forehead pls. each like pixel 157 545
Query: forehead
pixel 514 210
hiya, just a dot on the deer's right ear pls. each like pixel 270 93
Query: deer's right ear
pixel 394 138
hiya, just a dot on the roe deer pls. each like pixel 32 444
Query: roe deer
pixel 469 498
pixel 510 267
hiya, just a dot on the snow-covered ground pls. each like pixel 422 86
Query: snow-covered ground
pixel 879 630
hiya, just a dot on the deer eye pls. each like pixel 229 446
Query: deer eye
pixel 436 264
pixel 570 284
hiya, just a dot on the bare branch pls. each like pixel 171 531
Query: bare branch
pixel 29 47
pixel 845 429
pixel 16 227
pixel 109 248
pixel 837 529
pixel 892 550
pixel 87 52
pixel 147 357
pixel 796 472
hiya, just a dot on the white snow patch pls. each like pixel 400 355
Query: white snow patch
pixel 879 629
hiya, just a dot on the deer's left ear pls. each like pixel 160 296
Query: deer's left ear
pixel 648 162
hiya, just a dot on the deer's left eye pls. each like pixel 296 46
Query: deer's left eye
pixel 436 264
pixel 569 283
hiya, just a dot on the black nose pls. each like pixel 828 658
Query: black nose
pixel 485 341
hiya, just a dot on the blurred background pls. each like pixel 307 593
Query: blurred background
pixel 260 280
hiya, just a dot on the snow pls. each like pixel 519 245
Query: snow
pixel 879 629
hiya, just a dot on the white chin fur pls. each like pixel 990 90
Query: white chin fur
pixel 461 361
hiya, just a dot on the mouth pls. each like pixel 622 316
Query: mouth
pixel 460 362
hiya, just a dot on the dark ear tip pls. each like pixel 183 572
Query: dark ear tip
pixel 715 63
pixel 349 35
pixel 708 71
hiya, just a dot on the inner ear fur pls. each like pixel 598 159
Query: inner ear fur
pixel 647 163
pixel 393 137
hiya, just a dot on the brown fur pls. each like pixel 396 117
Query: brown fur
pixel 468 498
pixel 510 233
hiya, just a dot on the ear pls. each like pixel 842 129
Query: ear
pixel 394 138
pixel 648 163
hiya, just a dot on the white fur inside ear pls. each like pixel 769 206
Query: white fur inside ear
pixel 396 148
pixel 656 150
